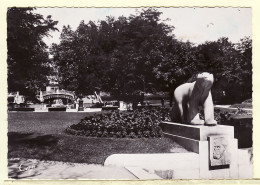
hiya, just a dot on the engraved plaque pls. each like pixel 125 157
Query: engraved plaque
pixel 219 150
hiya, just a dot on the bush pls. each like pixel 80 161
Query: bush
pixel 132 124
pixel 225 117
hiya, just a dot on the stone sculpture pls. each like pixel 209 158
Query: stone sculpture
pixel 219 150
pixel 189 97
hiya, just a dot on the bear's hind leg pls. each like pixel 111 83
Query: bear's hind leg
pixel 197 121
pixel 209 111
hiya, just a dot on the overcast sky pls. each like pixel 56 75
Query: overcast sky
pixel 194 24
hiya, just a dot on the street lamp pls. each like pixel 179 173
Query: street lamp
pixel 81 108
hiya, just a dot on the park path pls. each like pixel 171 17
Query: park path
pixel 36 169
pixel 231 108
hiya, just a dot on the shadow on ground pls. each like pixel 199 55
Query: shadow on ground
pixel 32 146
pixel 31 139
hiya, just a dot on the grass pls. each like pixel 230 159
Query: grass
pixel 41 136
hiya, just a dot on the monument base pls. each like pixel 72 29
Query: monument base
pixel 214 154
pixel 216 146
pixel 81 109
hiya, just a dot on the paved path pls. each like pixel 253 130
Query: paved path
pixel 228 108
pixel 36 169
pixel 232 108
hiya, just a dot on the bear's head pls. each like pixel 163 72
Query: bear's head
pixel 205 80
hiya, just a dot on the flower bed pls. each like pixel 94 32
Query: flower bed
pixel 137 123
pixel 242 123
pixel 132 124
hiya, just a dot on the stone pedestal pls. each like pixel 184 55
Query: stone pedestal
pixel 81 108
pixel 201 140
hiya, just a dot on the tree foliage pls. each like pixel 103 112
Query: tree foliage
pixel 28 59
pixel 116 55
pixel 231 65
pixel 127 55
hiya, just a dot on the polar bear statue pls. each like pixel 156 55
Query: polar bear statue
pixel 189 97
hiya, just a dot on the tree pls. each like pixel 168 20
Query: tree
pixel 232 68
pixel 177 66
pixel 79 58
pixel 115 55
pixel 65 59
pixel 28 60
pixel 126 55
pixel 245 71
pixel 140 44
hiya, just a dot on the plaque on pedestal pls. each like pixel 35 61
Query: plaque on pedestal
pixel 219 151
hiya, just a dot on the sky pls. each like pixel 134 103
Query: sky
pixel 194 24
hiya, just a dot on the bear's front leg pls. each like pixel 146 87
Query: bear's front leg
pixel 193 105
pixel 209 111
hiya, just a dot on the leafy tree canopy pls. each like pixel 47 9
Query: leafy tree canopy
pixel 123 56
pixel 28 60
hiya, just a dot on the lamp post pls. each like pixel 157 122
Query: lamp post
pixel 81 108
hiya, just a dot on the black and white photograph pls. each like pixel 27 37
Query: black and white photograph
pixel 129 93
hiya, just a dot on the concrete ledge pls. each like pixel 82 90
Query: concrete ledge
pixel 244 156
pixel 41 110
pixel 93 110
pixel 196 132
pixel 140 173
pixel 165 161
pixel 186 174
pixel 71 110
pixel 245 163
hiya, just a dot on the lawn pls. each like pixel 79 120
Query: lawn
pixel 42 136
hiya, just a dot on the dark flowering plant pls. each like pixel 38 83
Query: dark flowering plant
pixel 132 124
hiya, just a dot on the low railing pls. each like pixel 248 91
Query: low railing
pixel 65 92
